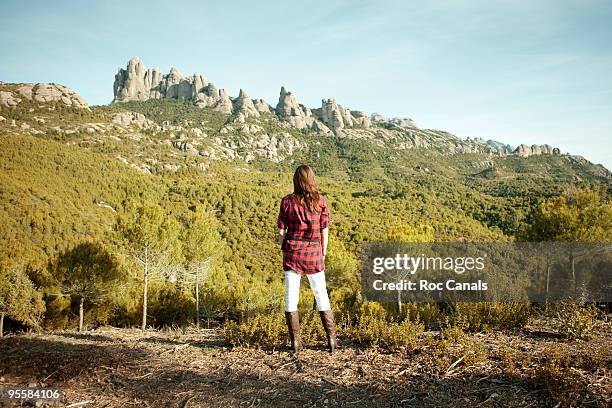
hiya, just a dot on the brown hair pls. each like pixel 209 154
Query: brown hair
pixel 305 189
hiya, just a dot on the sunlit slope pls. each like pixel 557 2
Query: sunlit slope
pixel 53 195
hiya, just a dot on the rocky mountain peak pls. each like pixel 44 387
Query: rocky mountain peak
pixel 244 105
pixel 136 66
pixel 136 83
pixel 287 105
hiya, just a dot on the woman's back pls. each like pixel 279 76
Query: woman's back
pixel 299 221
pixel 302 249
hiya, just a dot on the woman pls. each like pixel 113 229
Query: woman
pixel 303 235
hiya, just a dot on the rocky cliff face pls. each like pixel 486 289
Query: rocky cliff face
pixel 337 117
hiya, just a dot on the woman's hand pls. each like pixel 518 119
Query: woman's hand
pixel 281 237
pixel 324 240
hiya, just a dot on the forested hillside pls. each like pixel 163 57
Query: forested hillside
pixel 160 214
pixel 74 174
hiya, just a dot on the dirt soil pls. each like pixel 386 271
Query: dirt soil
pixel 128 368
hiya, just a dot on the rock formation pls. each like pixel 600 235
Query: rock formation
pixel 8 99
pixel 185 147
pixel 333 115
pixel 361 119
pixel 534 150
pixel 261 106
pixel 336 117
pixel 127 119
pixel 499 147
pixel 289 110
pixel 42 93
pixel 223 103
pixel 403 122
pixel 330 117
pixel 243 105
pixel 135 83
pixel 319 127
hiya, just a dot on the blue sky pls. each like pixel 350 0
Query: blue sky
pixel 530 72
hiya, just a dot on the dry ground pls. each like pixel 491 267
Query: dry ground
pixel 128 368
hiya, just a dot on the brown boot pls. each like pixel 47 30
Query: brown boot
pixel 327 318
pixel 293 324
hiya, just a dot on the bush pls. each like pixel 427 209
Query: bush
pixel 558 372
pixel 374 331
pixel 426 313
pixel 170 306
pixel 485 316
pixel 455 347
pixel 577 321
pixel 57 315
pixel 452 334
pixel 311 327
pixel 372 309
pixel 345 303
pixel 261 330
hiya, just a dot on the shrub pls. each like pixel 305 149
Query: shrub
pixel 426 313
pixel 577 321
pixel 170 306
pixel 455 347
pixel 374 331
pixel 558 372
pixel 345 303
pixel 485 316
pixel 513 361
pixel 372 309
pixel 261 330
pixel 311 327
pixel 57 315
pixel 452 334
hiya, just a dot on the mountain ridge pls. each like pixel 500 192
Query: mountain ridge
pixel 137 83
pixel 202 134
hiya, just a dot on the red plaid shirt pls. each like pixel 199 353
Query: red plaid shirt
pixel 302 251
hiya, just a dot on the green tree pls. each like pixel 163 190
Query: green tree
pixel 583 215
pixel 201 246
pixel 19 299
pixel 410 233
pixel 575 216
pixel 405 233
pixel 151 238
pixel 341 266
pixel 89 272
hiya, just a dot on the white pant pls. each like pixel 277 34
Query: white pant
pixel 292 290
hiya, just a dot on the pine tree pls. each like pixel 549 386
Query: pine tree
pixel 89 272
pixel 151 238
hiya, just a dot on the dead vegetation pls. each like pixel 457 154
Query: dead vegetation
pixel 533 367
